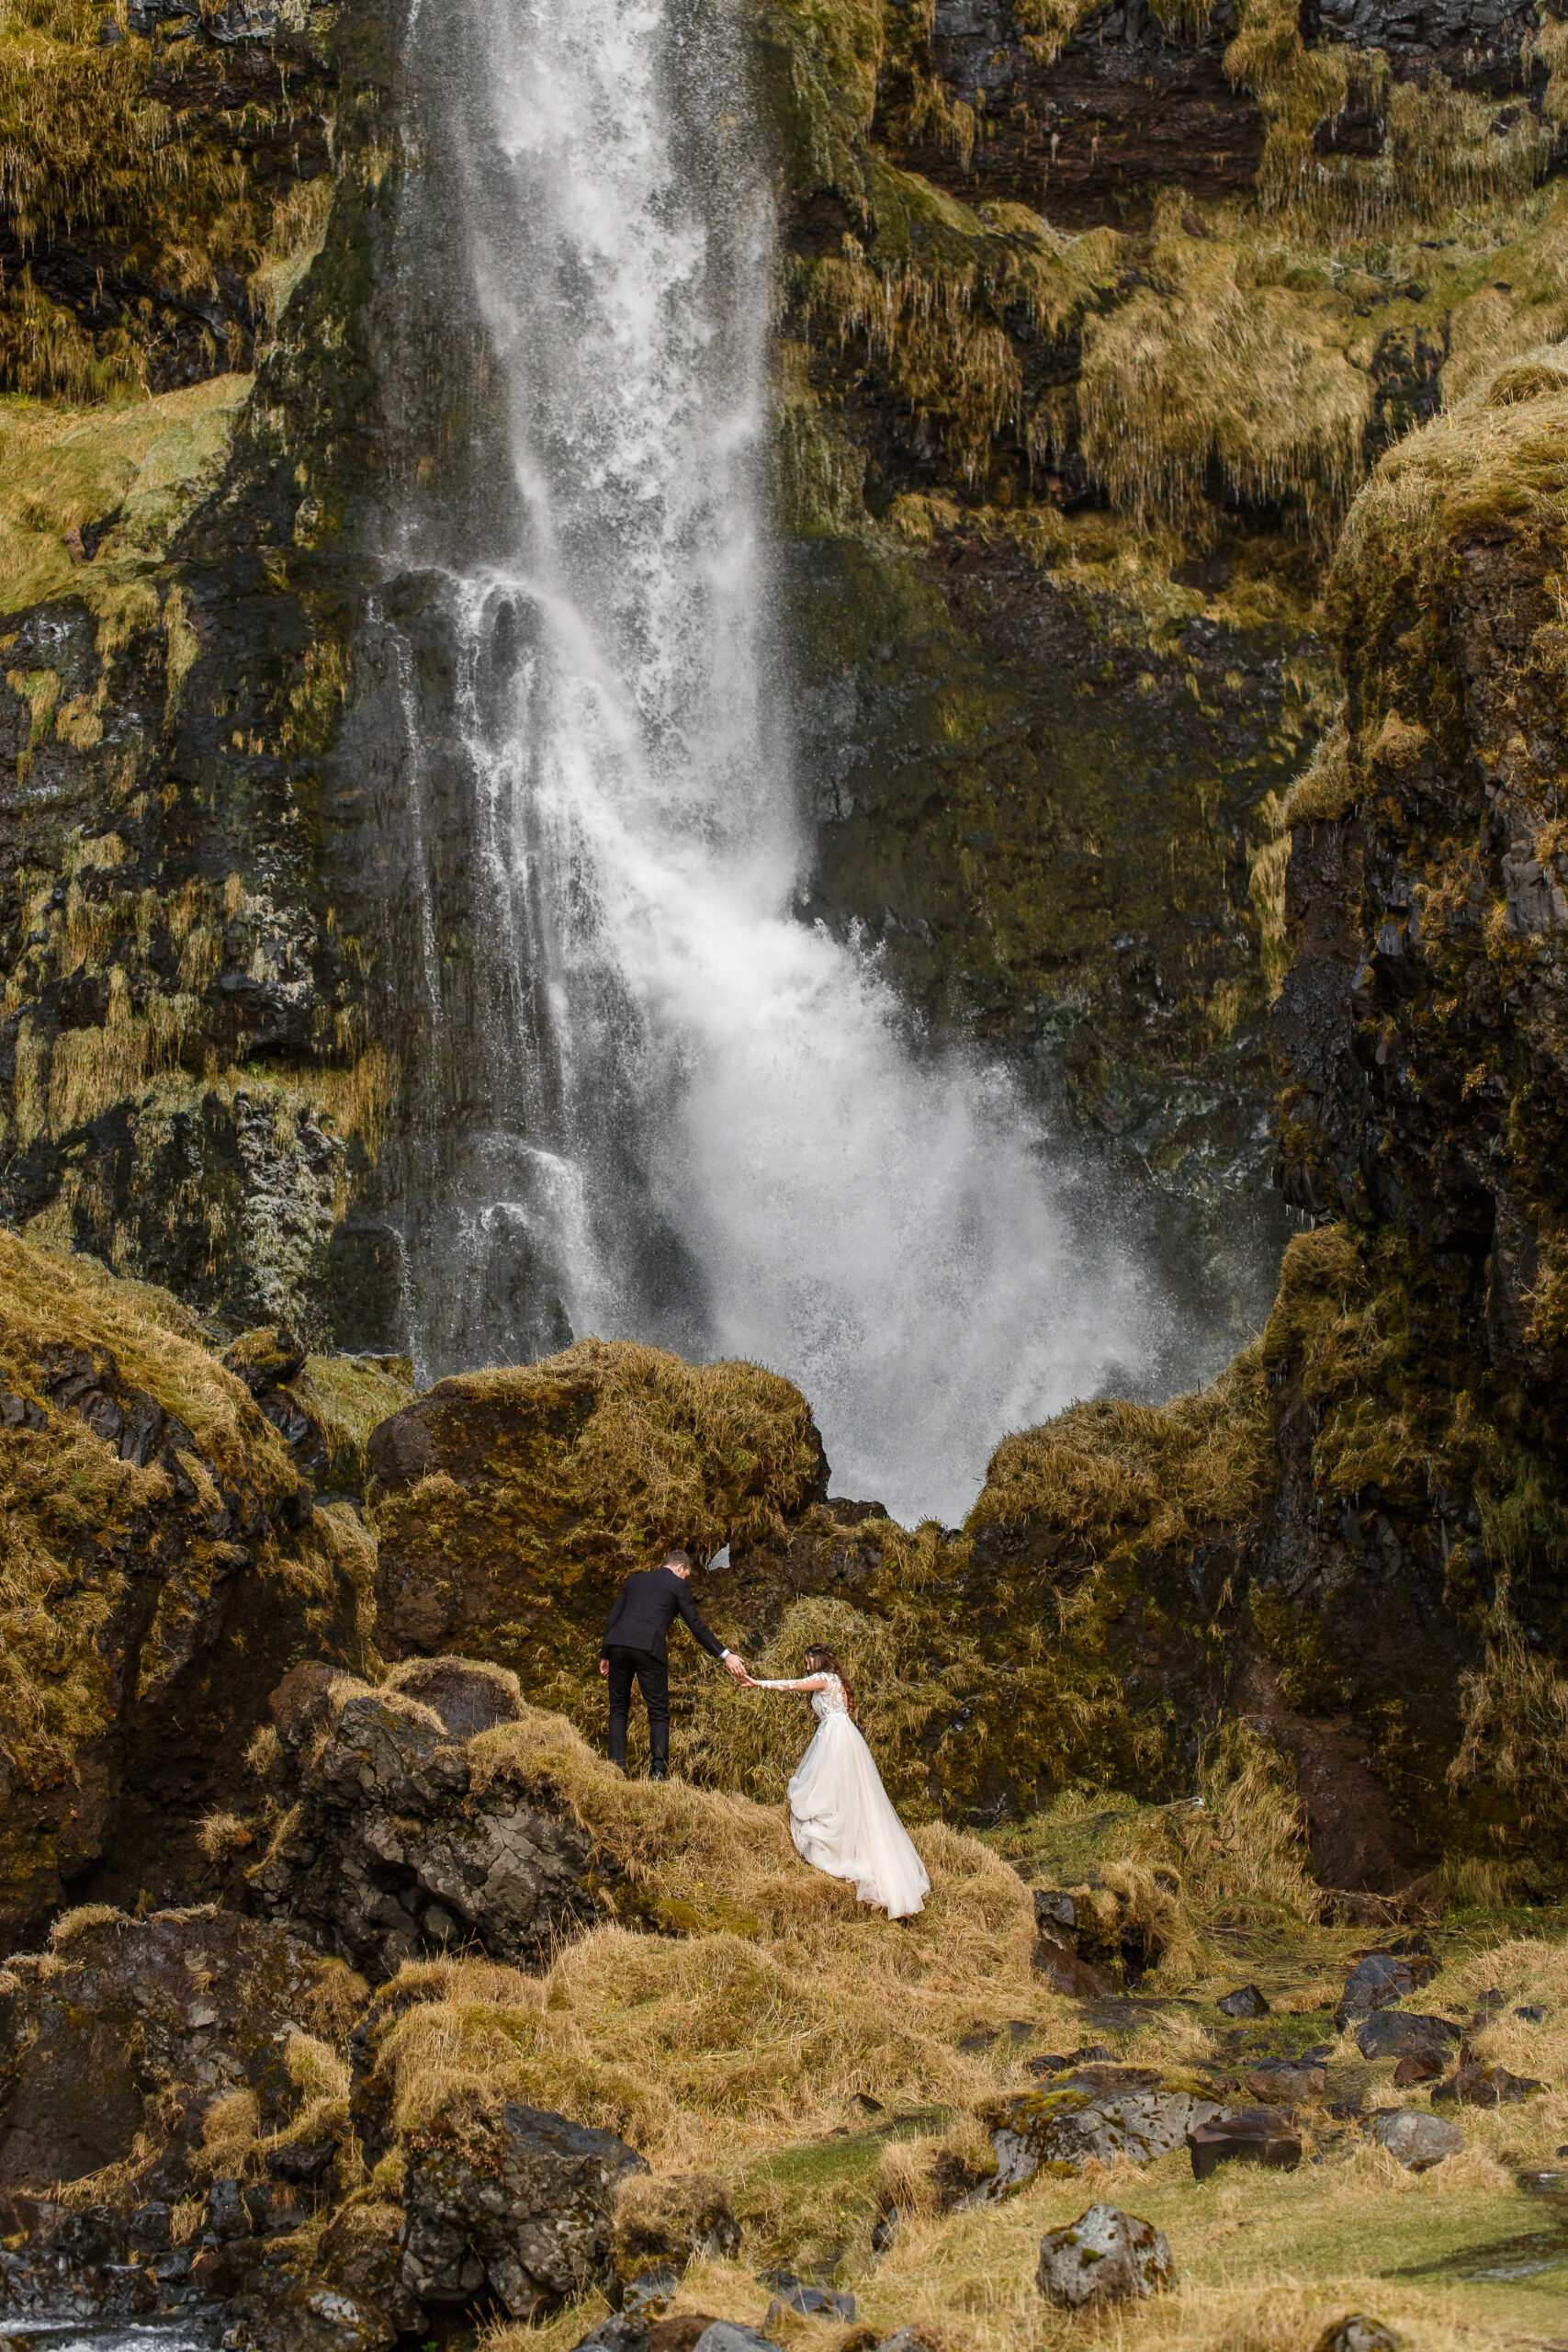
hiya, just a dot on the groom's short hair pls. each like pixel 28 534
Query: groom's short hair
pixel 677 1559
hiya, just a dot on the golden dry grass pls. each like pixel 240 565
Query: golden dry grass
pixel 780 1998
pixel 1104 1470
pixel 1220 363
pixel 144 461
pixel 1266 2260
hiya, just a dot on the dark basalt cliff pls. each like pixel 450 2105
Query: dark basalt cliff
pixel 1090 325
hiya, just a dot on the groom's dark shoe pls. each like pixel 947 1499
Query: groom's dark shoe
pixel 658 1772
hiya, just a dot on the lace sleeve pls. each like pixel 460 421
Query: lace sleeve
pixel 806 1682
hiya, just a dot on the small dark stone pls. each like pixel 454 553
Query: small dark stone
pixel 1054 1908
pixel 649 2296
pixel 1391 2034
pixel 719 2335
pixel 303 2164
pixel 103 1415
pixel 1487 2085
pixel 148 2232
pixel 1282 2078
pixel 811 2303
pixel 1379 1979
pixel 1245 2002
pixel 226 2217
pixel 1532 2013
pixel 143 1429
pixel 867 2105
pixel 1254 2135
pixel 1417 2067
pixel 622 2332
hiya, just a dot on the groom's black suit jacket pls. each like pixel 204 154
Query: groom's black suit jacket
pixel 646 1608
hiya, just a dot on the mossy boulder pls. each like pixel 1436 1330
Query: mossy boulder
pixel 510 2202
pixel 324 1408
pixel 164 1563
pixel 509 1506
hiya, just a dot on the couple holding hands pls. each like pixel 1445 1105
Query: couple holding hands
pixel 840 1815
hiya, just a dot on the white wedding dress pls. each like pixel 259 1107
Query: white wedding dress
pixel 840 1814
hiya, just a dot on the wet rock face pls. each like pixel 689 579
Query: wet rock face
pixel 1422 1024
pixel 136 2026
pixel 1015 870
pixel 1126 108
pixel 520 2211
pixel 391 1853
pixel 182 861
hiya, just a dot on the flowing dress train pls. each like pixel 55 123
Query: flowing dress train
pixel 841 1816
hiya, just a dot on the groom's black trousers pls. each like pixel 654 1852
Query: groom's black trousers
pixel 653 1675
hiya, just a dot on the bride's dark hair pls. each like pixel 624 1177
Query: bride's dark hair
pixel 821 1659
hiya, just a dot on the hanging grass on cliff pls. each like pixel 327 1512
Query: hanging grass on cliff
pixel 140 151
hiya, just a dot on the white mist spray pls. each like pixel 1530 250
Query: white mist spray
pixel 886 1228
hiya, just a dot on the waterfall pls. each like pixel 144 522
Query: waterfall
pixel 665 1107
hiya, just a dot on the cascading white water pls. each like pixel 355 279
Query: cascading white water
pixel 706 1125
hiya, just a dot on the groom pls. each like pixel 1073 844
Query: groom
pixel 635 1645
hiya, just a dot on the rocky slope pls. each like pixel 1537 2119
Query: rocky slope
pixel 721 2095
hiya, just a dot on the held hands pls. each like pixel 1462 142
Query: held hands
pixel 736 1667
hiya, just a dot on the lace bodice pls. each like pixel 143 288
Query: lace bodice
pixel 826 1692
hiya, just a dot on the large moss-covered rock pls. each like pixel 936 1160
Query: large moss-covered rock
pixel 509 1506
pixel 164 1561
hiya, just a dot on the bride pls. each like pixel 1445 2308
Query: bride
pixel 840 1814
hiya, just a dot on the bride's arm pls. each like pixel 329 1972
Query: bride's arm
pixel 806 1682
